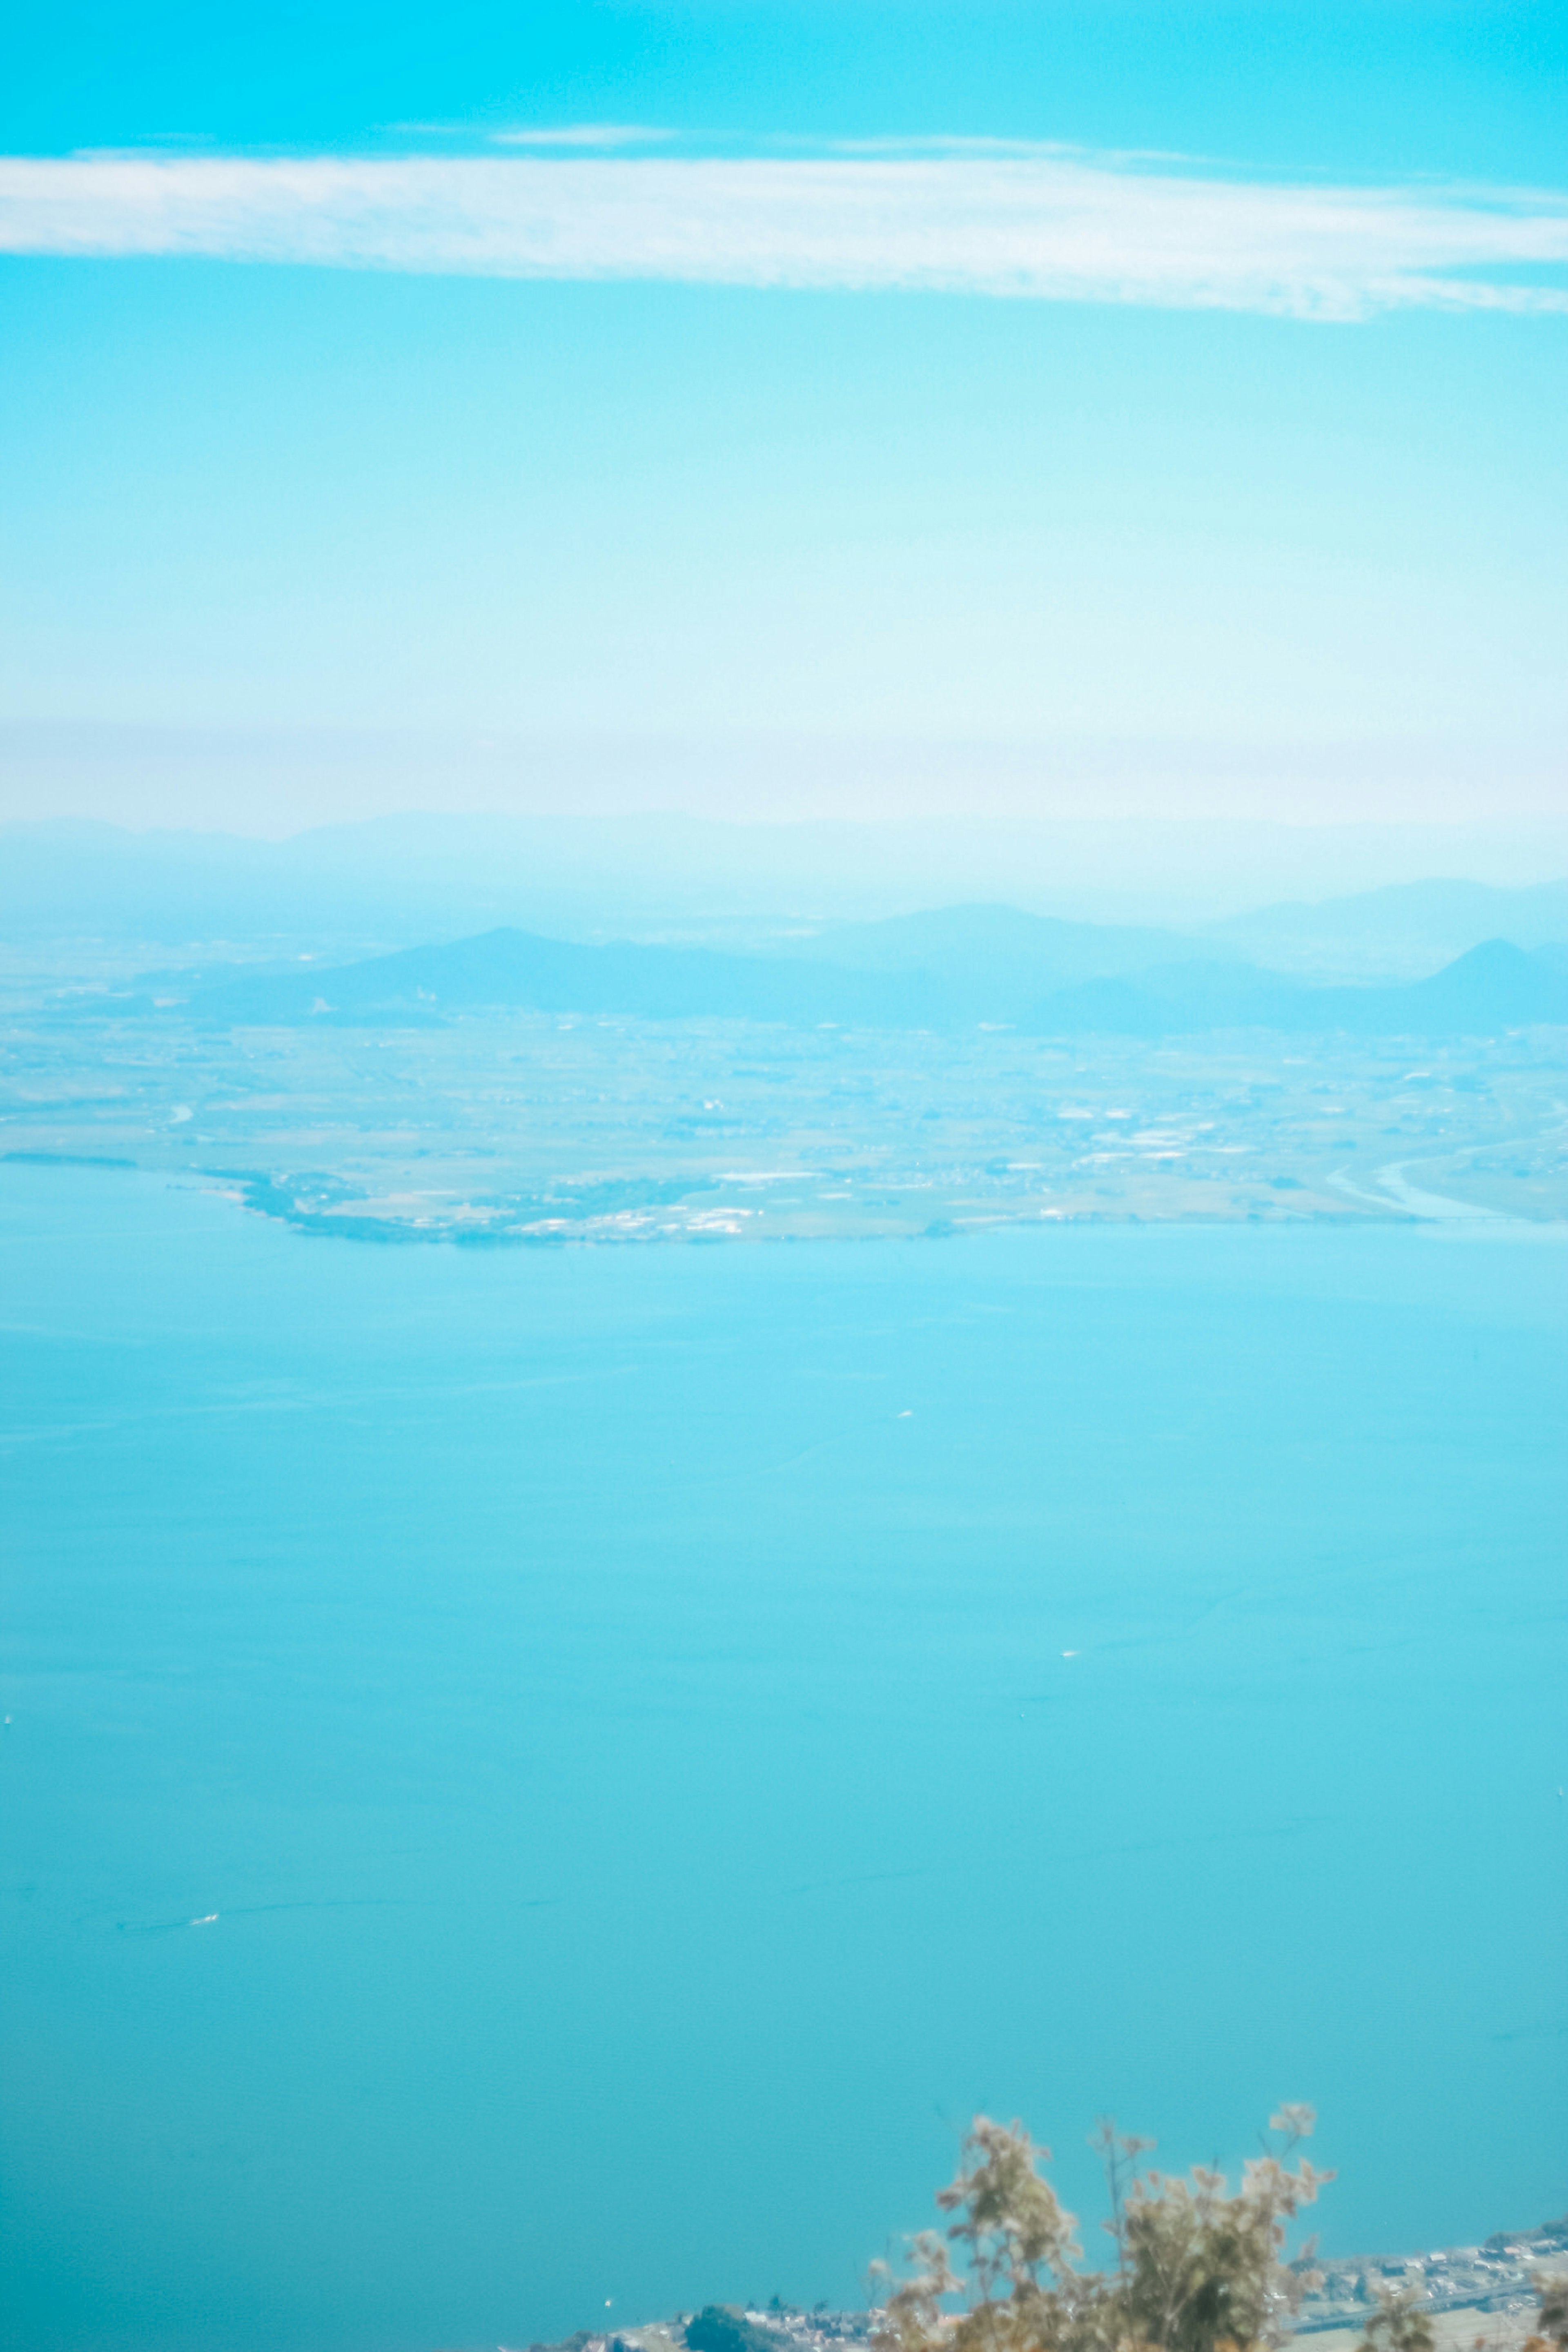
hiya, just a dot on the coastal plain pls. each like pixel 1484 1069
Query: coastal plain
pixel 529 1127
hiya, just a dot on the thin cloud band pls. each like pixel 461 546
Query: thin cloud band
pixel 1038 227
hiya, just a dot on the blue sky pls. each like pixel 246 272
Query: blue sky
pixel 1103 406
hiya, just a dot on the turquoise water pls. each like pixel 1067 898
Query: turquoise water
pixel 615 1704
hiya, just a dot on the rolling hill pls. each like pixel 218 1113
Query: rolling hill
pixel 1494 986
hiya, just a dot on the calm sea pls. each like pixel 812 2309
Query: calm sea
pixel 541 1788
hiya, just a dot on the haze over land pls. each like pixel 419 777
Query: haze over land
pixel 399 880
pixel 755 1075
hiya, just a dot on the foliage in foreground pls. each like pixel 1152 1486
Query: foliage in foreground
pixel 1552 2319
pixel 1199 2267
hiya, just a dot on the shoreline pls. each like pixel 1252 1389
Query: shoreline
pixel 1475 2295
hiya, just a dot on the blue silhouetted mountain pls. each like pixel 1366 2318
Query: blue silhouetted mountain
pixel 1405 928
pixel 398 881
pixel 1495 986
pixel 994 961
pixel 951 966
pixel 519 969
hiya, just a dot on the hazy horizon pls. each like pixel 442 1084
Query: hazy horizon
pixel 766 415
pixel 648 869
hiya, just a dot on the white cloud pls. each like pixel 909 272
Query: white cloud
pixel 1043 226
pixel 582 134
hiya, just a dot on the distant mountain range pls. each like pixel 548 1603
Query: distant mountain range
pixel 995 963
pixel 519 968
pixel 1494 986
pixel 349 890
pixel 954 968
pixel 1409 928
